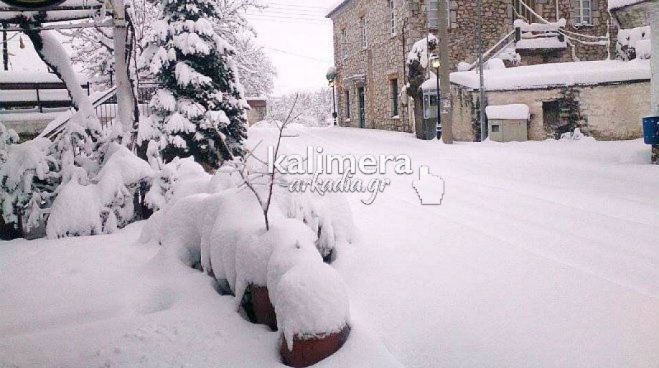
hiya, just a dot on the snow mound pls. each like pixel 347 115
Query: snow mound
pixel 577 135
pixel 312 301
pixel 239 216
pixel 176 180
pixel 293 246
pixel 77 211
pixel 329 216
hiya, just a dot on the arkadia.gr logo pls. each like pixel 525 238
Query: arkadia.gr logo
pixel 321 173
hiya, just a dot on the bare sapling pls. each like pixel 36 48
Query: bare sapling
pixel 250 178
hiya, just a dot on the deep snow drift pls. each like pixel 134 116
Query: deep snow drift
pixel 543 254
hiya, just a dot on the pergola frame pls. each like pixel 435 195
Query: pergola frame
pixel 37 20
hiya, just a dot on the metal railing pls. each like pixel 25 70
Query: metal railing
pixel 39 100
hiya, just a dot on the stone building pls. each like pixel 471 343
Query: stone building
pixel 258 109
pixel 373 37
pixel 371 42
pixel 605 99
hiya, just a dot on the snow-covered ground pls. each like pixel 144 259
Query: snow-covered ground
pixel 543 254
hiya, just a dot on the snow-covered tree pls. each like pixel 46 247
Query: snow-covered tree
pixel 93 47
pixel 417 73
pixel 313 108
pixel 256 71
pixel 200 109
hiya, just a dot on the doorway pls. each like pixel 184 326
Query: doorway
pixel 551 113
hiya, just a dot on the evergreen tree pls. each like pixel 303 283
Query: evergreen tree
pixel 200 109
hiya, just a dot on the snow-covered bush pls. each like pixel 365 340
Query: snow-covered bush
pixel 200 110
pixel 29 176
pixel 103 204
pixel 170 182
pixel 254 253
pixel 634 43
pixel 224 235
pixel 7 137
pixel 295 246
pixel 328 216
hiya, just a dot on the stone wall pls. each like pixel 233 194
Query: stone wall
pixel 610 111
pixel 497 22
pixel 376 66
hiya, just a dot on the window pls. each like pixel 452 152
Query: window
pixel 347 104
pixel 581 12
pixel 362 27
pixel 344 43
pixel 451 14
pixel 392 16
pixel 394 97
pixel 495 128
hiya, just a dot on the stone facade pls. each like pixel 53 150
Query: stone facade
pixel 374 66
pixel 370 58
pixel 609 111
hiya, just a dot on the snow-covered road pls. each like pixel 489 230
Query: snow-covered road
pixel 542 255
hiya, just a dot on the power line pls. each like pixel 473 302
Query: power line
pixel 297 6
pixel 288 20
pixel 297 55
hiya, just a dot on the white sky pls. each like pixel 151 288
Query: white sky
pixel 298 39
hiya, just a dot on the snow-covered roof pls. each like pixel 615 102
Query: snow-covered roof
pixel 338 6
pixel 430 84
pixel 617 4
pixel 68 10
pixel 27 77
pixel 556 75
pixel 541 43
pixel 508 112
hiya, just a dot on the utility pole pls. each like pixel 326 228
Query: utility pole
pixel 5 48
pixel 445 82
pixel 654 25
pixel 483 97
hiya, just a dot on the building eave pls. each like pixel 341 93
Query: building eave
pixel 338 8
pixel 553 86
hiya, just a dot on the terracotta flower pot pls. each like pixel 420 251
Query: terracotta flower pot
pixel 264 311
pixel 309 351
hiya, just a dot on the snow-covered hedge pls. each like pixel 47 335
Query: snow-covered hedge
pixel 329 217
pixel 224 235
pixel 28 177
pixel 105 203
